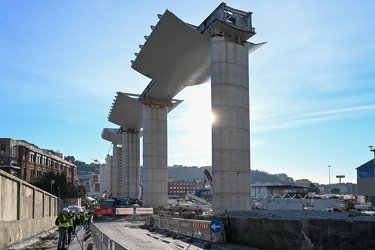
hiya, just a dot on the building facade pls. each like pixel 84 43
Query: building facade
pixel 26 161
pixel 180 188
pixel 366 181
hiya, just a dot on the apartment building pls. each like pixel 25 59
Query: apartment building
pixel 26 161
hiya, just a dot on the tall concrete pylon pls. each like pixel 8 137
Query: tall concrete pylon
pixel 155 156
pixel 114 166
pixel 126 111
pixel 131 163
pixel 231 129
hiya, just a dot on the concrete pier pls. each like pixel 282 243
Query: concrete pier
pixel 130 163
pixel 116 172
pixel 231 129
pixel 126 112
pixel 155 160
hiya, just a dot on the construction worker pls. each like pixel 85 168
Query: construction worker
pixel 85 220
pixel 70 228
pixel 75 220
pixel 63 225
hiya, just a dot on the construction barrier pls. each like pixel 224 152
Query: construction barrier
pixel 144 210
pixel 186 227
pixel 198 229
pixel 164 223
pixel 201 230
pixel 174 225
pixel 104 211
pixel 157 222
pixel 124 211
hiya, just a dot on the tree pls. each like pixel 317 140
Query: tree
pixel 60 187
pixel 335 191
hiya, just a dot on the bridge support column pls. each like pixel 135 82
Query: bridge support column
pixel 231 129
pixel 130 163
pixel 155 161
pixel 116 172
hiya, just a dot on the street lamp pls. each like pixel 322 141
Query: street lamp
pixel 329 175
pixel 52 182
pixel 373 150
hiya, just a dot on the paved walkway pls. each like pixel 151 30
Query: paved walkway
pixel 49 239
pixel 76 243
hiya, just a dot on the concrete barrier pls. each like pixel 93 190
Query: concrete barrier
pixel 26 210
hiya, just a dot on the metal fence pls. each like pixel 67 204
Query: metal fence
pixel 198 229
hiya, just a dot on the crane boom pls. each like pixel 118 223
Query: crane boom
pixel 208 176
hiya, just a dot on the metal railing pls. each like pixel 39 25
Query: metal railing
pixel 103 242
pixel 198 229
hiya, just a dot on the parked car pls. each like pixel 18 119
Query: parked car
pixel 77 209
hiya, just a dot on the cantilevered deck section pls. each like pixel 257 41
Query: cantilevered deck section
pixel 177 54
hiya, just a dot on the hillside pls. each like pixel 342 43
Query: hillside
pixel 183 173
pixel 191 173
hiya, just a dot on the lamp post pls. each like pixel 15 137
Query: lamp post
pixel 52 182
pixel 58 188
pixel 329 175
pixel 373 150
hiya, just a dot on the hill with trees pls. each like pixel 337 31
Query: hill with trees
pixel 184 173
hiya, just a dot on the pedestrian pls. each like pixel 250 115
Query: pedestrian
pixel 63 225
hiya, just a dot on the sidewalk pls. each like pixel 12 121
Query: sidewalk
pixel 49 239
pixel 76 243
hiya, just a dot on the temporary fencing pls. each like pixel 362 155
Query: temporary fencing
pixel 199 229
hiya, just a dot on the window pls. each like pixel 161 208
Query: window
pixel 3 148
pixel 366 171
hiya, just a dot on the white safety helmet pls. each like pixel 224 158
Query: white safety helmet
pixel 66 209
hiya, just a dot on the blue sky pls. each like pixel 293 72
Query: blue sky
pixel 312 89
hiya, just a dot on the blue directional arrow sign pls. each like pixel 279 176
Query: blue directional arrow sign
pixel 215 226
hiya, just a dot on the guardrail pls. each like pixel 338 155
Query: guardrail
pixel 198 229
pixel 103 242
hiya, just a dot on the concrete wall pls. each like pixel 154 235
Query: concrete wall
pixel 301 234
pixel 25 210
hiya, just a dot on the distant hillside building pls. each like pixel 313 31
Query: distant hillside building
pixel 180 188
pixel 366 181
pixel 26 161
